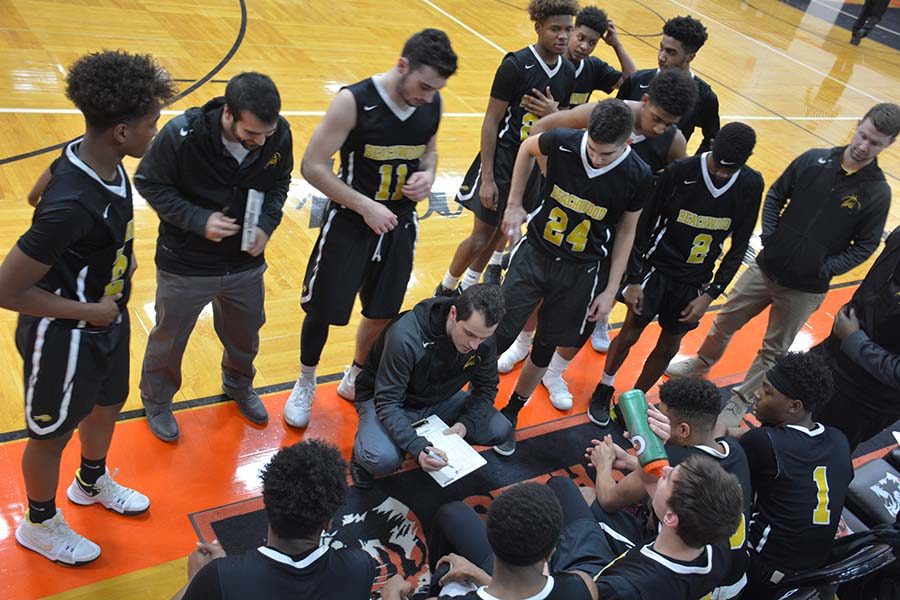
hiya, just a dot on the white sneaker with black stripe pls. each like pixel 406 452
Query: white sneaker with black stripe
pixel 55 540
pixel 110 493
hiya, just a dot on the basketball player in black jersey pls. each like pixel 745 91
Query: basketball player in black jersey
pixel 385 128
pixel 507 556
pixel 698 505
pixel 69 277
pixel 682 38
pixel 696 205
pixel 657 141
pixel 800 471
pixel 507 123
pixel 578 240
pixel 303 487
pixel 591 72
pixel 692 407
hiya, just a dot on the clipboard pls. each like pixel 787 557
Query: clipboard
pixel 462 459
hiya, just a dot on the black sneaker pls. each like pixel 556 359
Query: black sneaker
pixel 508 447
pixel 598 411
pixel 492 275
pixel 362 479
pixel 441 292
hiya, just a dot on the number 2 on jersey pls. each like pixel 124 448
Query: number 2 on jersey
pixel 700 248
pixel 555 230
pixel 384 187
pixel 821 514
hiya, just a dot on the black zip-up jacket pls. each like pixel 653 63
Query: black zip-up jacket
pixel 832 222
pixel 187 174
pixel 414 364
pixel 868 360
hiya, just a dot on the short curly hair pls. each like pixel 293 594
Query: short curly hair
pixel 687 30
pixel 708 501
pixel 540 10
pixel 303 486
pixel 734 144
pixel 693 400
pixel 593 17
pixel 431 47
pixel 674 91
pixel 114 86
pixel 524 523
pixel 611 122
pixel 809 376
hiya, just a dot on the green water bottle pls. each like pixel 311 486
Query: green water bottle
pixel 651 452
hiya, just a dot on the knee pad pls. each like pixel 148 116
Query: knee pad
pixel 542 353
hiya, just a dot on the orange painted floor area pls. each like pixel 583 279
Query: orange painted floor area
pixel 218 458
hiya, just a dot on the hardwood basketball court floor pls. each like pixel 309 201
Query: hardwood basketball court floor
pixel 787 69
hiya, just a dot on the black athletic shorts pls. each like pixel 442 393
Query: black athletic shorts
pixel 566 288
pixel 666 298
pixel 68 371
pixel 349 257
pixel 468 193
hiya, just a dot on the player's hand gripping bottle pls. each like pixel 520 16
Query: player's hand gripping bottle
pixel 651 452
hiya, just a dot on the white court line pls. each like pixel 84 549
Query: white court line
pixel 464 26
pixel 776 51
pixel 844 12
pixel 451 115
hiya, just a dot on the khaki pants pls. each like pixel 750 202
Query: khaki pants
pixel 751 295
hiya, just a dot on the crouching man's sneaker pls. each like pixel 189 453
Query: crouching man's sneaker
pixel 108 492
pixel 55 540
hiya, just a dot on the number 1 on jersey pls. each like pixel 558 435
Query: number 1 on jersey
pixel 821 514
pixel 384 187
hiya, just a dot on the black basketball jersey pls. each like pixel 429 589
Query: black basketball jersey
pixel 642 573
pixel 800 479
pixel 323 573
pixel 592 74
pixel 690 216
pixel 704 113
pixel 581 205
pixel 83 228
pixel 385 146
pixel 518 74
pixel 654 150
pixel 733 460
pixel 559 586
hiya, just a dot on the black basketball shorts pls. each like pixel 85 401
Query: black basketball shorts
pixel 470 188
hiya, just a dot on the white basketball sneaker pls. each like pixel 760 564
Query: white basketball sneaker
pixel 346 389
pixel 560 396
pixel 513 356
pixel 600 337
pixel 110 493
pixel 299 404
pixel 54 539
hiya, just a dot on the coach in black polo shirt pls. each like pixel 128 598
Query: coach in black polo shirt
pixel 682 38
pixel 198 175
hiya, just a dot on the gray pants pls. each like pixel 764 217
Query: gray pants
pixel 238 313
pixel 752 293
pixel 379 455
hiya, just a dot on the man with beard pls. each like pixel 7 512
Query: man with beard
pixel 385 128
pixel 217 176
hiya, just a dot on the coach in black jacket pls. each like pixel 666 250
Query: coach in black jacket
pixel 863 351
pixel 823 216
pixel 198 175
pixel 417 368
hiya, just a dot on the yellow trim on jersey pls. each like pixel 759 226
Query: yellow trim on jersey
pixel 393 152
pixel 579 205
pixel 703 222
